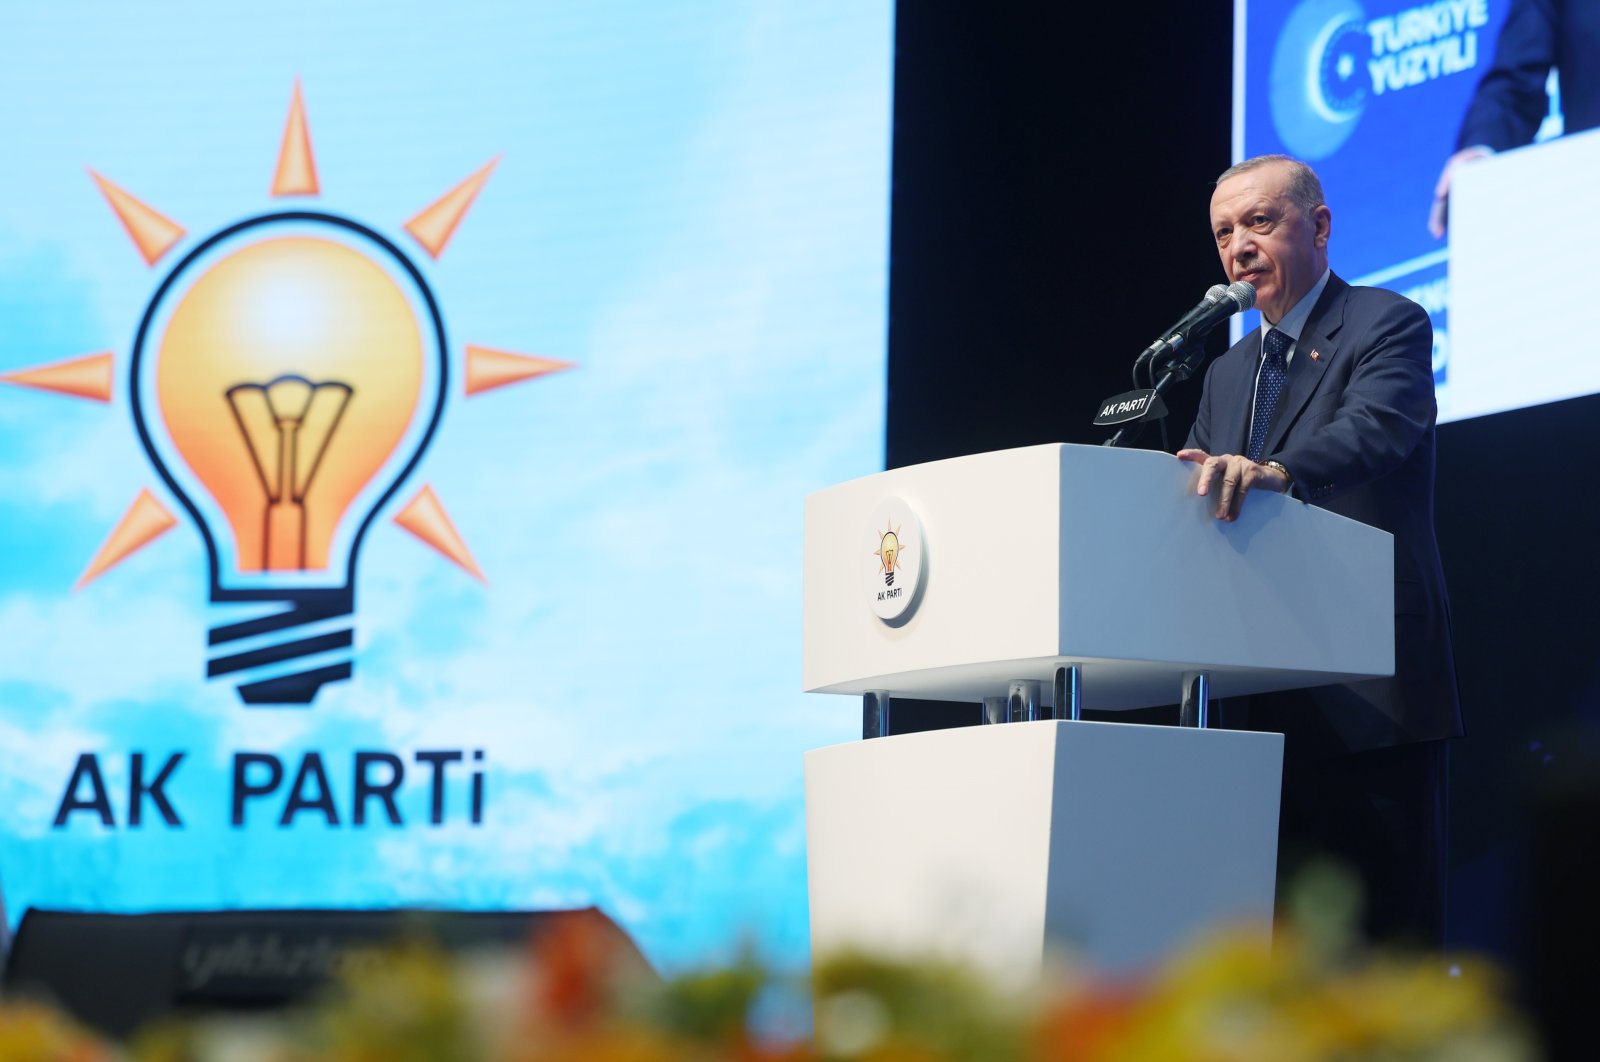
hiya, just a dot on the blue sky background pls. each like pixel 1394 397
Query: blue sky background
pixel 693 206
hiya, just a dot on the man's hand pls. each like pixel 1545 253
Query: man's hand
pixel 1240 476
pixel 1439 215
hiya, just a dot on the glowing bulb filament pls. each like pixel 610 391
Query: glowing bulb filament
pixel 287 425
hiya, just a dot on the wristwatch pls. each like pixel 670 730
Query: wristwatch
pixel 1279 466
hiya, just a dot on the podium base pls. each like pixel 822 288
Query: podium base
pixel 1105 843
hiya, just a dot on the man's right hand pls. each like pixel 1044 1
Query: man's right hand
pixel 1239 475
pixel 1439 216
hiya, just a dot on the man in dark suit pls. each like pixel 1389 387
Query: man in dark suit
pixel 1332 400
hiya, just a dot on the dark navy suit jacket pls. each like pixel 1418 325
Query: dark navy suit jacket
pixel 1510 101
pixel 1355 428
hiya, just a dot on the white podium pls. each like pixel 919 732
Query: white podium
pixel 1115 842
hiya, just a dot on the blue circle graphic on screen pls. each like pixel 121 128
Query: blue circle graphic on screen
pixel 1318 87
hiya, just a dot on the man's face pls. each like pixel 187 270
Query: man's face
pixel 1265 239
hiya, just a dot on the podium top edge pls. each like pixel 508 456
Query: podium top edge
pixel 1059 448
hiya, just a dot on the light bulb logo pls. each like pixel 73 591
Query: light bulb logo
pixel 887 552
pixel 286 378
pixel 892 573
pixel 288 372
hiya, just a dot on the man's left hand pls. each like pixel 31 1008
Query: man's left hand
pixel 1240 476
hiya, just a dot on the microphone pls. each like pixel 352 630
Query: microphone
pixel 1213 294
pixel 1236 297
pixel 1130 410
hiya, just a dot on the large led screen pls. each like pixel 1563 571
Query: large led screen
pixel 409 412
pixel 1380 96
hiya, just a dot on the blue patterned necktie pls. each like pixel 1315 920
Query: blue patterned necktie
pixel 1269 388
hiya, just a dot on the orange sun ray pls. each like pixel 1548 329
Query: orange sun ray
pixel 86 377
pixel 145 521
pixel 488 368
pixel 151 231
pixel 437 223
pixel 425 517
pixel 297 166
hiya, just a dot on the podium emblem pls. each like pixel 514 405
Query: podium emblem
pixel 894 565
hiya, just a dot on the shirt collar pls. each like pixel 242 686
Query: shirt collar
pixel 1295 320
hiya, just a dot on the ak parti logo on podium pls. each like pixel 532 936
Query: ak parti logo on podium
pixel 285 379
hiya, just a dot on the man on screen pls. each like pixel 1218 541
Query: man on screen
pixel 1332 400
pixel 1510 102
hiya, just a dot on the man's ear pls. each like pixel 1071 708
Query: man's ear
pixel 1322 218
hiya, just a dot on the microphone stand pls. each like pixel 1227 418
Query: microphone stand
pixel 1179 369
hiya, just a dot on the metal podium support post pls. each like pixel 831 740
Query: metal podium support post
pixel 1195 710
pixel 1069 692
pixel 1027 701
pixel 875 714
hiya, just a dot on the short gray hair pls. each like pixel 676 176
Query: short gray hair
pixel 1304 188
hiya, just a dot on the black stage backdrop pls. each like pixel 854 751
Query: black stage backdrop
pixel 1052 171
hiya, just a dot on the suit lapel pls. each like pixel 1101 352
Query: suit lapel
pixel 1234 423
pixel 1316 349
